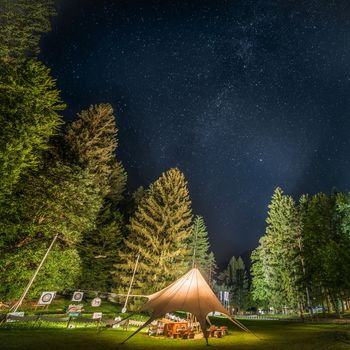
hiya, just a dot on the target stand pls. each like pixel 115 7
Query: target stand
pixel 45 300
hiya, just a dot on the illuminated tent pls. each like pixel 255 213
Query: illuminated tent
pixel 189 293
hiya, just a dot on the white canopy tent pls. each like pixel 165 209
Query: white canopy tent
pixel 190 293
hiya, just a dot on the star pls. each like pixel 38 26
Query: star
pixel 228 91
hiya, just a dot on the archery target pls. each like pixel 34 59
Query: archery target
pixel 96 302
pixel 46 298
pixel 77 296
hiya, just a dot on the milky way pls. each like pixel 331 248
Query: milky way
pixel 242 96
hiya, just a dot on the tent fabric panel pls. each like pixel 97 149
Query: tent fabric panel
pixel 189 293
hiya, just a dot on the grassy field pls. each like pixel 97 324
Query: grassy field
pixel 275 335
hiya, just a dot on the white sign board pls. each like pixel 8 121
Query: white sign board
pixel 46 298
pixel 96 302
pixel 77 296
pixel 18 314
pixel 96 315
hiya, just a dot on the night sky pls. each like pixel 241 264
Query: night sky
pixel 242 96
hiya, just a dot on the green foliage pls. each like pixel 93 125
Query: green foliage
pixel 199 250
pixel 48 205
pixel 29 102
pixel 44 206
pixel 275 261
pixel 92 143
pixel 260 272
pixel 211 268
pixel 199 244
pixel 302 259
pixel 21 23
pixel 60 271
pixel 117 183
pixel 327 243
pixel 71 184
pixel 160 229
pixel 99 251
pixel 238 281
pixel 234 280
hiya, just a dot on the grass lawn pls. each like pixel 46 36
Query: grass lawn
pixel 273 334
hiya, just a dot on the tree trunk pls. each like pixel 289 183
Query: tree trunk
pixel 328 304
pixel 335 303
pixel 342 306
pixel 301 311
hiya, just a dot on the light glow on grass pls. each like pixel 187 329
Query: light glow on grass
pixel 274 335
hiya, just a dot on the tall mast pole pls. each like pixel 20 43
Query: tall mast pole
pixel 19 303
pixel 131 282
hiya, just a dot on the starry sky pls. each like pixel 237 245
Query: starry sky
pixel 241 95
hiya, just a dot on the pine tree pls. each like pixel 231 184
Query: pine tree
pixel 160 229
pixel 92 142
pixel 29 102
pixel 99 250
pixel 301 260
pixel 261 271
pixel 21 23
pixel 199 244
pixel 280 250
pixel 211 269
pixel 326 245
pixel 117 183
pixel 238 281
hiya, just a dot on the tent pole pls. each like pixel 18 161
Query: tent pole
pixel 151 319
pixel 242 326
pixel 19 302
pixel 131 282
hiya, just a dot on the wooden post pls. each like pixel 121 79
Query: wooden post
pixel 19 303
pixel 131 282
pixel 69 319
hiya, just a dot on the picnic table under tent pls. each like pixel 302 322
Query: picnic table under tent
pixel 190 293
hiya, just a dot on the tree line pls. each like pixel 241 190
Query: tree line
pixel 302 261
pixel 67 180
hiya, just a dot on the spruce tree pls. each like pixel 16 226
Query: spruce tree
pixel 29 102
pixel 99 250
pixel 211 269
pixel 91 144
pixel 238 281
pixel 279 250
pixel 261 271
pixel 21 23
pixel 326 243
pixel 199 244
pixel 160 229
pixel 29 99
pixel 301 260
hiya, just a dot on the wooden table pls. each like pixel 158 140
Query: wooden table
pixel 174 327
